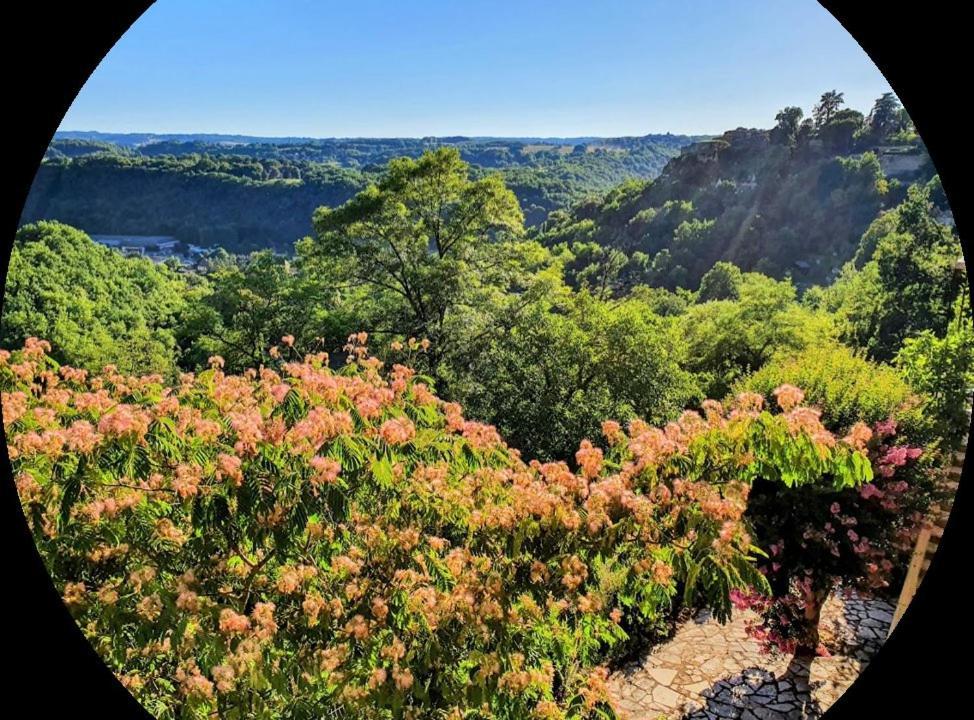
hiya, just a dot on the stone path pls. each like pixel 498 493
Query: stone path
pixel 709 671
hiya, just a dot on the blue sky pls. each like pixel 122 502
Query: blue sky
pixel 370 68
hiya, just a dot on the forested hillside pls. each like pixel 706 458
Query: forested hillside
pixel 793 200
pixel 251 195
pixel 232 202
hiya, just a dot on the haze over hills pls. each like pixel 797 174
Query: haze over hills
pixel 137 139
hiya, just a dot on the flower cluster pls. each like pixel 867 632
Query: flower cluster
pixel 821 536
pixel 301 535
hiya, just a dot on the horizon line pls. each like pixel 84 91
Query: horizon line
pixel 398 137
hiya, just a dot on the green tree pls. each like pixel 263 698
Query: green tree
pixel 420 236
pixel 942 369
pixel 604 271
pixel 886 117
pixel 787 121
pixel 251 304
pixel 827 106
pixel 909 283
pixel 570 362
pixel 839 133
pixel 92 304
pixel 728 339
pixel 722 282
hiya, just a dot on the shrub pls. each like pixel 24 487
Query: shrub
pixel 94 305
pixel 943 370
pixel 845 386
pixel 819 537
pixel 286 540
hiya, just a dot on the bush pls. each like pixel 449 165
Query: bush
pixel 845 386
pixel 279 542
pixel 95 306
pixel 820 537
pixel 943 370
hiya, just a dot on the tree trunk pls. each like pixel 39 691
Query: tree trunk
pixel 814 602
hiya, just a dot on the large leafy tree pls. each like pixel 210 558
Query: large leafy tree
pixel 570 361
pixel 422 236
pixel 785 131
pixel 887 116
pixel 722 282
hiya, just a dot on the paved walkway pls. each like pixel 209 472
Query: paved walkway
pixel 709 671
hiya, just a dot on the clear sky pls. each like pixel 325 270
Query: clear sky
pixel 370 68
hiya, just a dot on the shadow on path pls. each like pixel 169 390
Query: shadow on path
pixel 756 693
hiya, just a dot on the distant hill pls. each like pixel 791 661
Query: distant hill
pixel 245 193
pixel 235 203
pixel 133 140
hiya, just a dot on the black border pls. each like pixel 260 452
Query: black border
pixel 917 675
pixel 53 671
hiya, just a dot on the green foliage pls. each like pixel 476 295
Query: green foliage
pixel 603 271
pixel 722 282
pixel 420 235
pixel 828 105
pixel 552 336
pixel 249 305
pixel 847 387
pixel 728 339
pixel 887 117
pixel 908 281
pixel 942 369
pixel 567 363
pixel 96 306
pixel 785 131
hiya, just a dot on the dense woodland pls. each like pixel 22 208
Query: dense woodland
pixel 801 285
pixel 255 195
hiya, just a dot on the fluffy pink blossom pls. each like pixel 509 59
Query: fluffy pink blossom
pixel 397 431
pixel 788 397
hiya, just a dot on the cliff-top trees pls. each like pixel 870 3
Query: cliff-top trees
pixel 887 116
pixel 827 106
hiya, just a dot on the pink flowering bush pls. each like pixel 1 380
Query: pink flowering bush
pixel 294 539
pixel 819 536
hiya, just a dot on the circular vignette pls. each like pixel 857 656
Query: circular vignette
pixel 934 587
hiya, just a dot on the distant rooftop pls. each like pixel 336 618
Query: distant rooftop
pixel 134 240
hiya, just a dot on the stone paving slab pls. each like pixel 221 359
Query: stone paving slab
pixel 709 671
